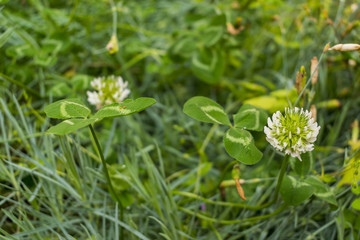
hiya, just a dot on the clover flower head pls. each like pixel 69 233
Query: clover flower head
pixel 295 132
pixel 108 90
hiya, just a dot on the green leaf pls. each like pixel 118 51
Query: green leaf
pixel 205 168
pixel 276 100
pixel 5 36
pixel 218 20
pixel 208 64
pixel 212 35
pixel 303 167
pixel 51 46
pixel 251 118
pixel 355 189
pixel 206 110
pixel 67 108
pixel 240 145
pixel 119 175
pixel 356 204
pixel 60 89
pixel 126 198
pixel 182 47
pixel 44 60
pixel 321 190
pixel 125 108
pixel 80 81
pixel 70 125
pixel 19 51
pixel 295 191
pixel 328 178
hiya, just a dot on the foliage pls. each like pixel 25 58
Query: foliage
pixel 172 171
pixel 71 109
pixel 238 142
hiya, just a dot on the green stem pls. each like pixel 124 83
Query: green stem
pixel 208 137
pixel 220 203
pixel 114 15
pixel 20 84
pixel 202 157
pixel 279 181
pixel 309 80
pixel 107 176
pixel 229 222
pixel 312 235
pixel 240 205
pixel 228 166
pixel 281 176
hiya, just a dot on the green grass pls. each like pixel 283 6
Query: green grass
pixel 165 166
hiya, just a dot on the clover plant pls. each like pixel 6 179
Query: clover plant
pixel 75 115
pixel 238 142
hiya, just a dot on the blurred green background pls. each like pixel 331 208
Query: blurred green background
pixel 234 52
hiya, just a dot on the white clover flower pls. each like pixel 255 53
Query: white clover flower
pixel 295 132
pixel 108 90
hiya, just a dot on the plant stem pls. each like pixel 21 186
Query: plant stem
pixel 208 137
pixel 240 205
pixel 107 176
pixel 279 181
pixel 201 152
pixel 229 222
pixel 21 85
pixel 309 80
pixel 114 15
pixel 220 203
pixel 281 176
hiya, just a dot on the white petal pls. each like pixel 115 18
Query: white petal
pixel 93 98
pixel 309 147
pixel 116 95
pixel 315 132
pixel 275 119
pixel 270 123
pixel 271 141
pixel 308 135
pixel 267 131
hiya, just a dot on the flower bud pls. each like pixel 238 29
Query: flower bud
pixel 326 48
pixel 232 30
pixel 346 47
pixel 313 112
pixel 315 73
pixel 236 172
pixel 300 80
pixel 113 45
pixel 236 176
